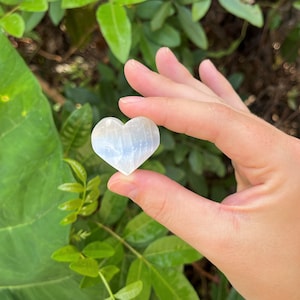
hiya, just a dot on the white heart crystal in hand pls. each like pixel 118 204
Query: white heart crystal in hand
pixel 125 146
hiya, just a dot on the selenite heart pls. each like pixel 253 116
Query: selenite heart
pixel 125 146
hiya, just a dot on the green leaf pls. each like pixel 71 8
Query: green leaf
pixel 193 30
pixel 130 291
pixel 170 251
pixel 296 4
pixel 76 3
pixel 214 164
pixel 98 250
pixel 116 29
pixel 249 12
pixel 86 267
pixel 92 196
pixel 31 159
pixel 164 11
pixel 139 271
pixel 71 204
pixel 13 24
pixel 93 183
pixel 32 19
pixel 78 169
pixel 34 5
pixel 77 128
pixel 128 2
pixel 68 253
pixel 196 161
pixel 72 187
pixel 69 219
pixel 56 12
pixel 109 272
pixel 142 229
pixel 112 207
pixel 199 9
pixel 88 209
pixel 166 36
pixel 170 284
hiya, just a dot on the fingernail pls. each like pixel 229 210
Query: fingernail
pixel 209 62
pixel 131 99
pixel 123 185
pixel 132 63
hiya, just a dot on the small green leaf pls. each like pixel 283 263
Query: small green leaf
pixel 214 164
pixel 77 128
pixel 34 5
pixel 116 29
pixel 32 19
pixel 13 24
pixel 56 12
pixel 130 291
pixel 142 229
pixel 88 209
pixel 249 12
pixel 112 207
pixel 78 169
pixel 86 267
pixel 72 187
pixel 109 272
pixel 193 30
pixel 128 2
pixel 165 10
pixel 93 183
pixel 139 271
pixel 71 204
pixel 76 3
pixel 98 250
pixel 196 162
pixel 296 4
pixel 69 219
pixel 92 196
pixel 199 9
pixel 166 36
pixel 68 253
pixel 170 251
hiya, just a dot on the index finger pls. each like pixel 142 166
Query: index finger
pixel 243 137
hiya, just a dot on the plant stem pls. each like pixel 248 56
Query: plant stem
pixel 121 240
pixel 112 297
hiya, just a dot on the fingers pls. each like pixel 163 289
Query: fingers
pixel 186 214
pixel 152 84
pixel 168 66
pixel 174 80
pixel 211 77
pixel 236 133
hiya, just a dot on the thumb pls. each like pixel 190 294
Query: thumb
pixel 200 222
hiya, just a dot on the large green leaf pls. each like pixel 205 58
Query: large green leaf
pixel 31 169
pixel 171 284
pixel 170 251
pixel 142 229
pixel 116 29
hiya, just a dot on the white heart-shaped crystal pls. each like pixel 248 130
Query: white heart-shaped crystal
pixel 125 146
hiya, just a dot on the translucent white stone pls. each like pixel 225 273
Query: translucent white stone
pixel 125 146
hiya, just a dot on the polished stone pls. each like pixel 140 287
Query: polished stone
pixel 125 146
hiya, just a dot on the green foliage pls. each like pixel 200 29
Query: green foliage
pixel 125 24
pixel 31 168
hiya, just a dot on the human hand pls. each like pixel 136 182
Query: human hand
pixel 253 236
